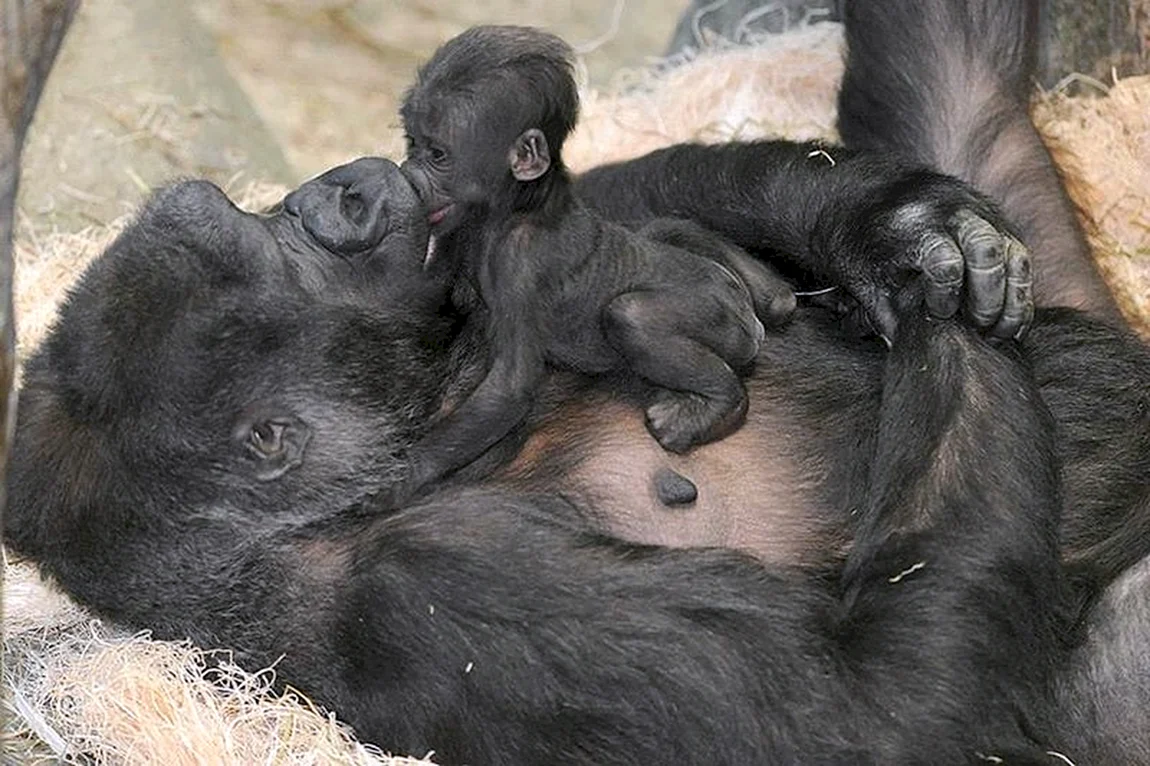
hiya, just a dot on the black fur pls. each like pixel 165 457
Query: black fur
pixel 486 122
pixel 496 625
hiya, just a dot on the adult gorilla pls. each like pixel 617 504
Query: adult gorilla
pixel 202 435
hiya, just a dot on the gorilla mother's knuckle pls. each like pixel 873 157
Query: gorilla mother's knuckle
pixel 981 243
pixel 942 261
pixel 913 216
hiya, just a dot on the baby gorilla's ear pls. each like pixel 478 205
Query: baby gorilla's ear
pixel 529 156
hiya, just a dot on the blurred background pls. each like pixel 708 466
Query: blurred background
pixel 278 90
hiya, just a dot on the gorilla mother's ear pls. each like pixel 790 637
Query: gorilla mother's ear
pixel 273 440
pixel 529 156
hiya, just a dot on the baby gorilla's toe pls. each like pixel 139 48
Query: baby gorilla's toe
pixel 680 421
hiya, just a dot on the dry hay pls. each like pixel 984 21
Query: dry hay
pixel 786 87
pixel 1103 146
pixel 83 687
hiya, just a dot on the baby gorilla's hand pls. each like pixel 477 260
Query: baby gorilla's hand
pixel 936 228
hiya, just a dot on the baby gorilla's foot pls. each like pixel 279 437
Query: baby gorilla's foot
pixel 680 421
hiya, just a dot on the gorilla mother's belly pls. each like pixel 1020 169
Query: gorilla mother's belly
pixel 752 495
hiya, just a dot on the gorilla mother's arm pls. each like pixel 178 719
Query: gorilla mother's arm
pixel 867 222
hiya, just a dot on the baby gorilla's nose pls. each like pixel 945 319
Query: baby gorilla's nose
pixel 349 209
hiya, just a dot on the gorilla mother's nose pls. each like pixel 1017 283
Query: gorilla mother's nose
pixel 348 208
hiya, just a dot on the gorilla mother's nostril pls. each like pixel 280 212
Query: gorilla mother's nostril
pixel 351 209
pixel 352 206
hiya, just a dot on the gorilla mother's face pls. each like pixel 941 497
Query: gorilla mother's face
pixel 217 363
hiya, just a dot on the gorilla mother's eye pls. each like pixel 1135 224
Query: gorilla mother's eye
pixel 273 440
pixel 267 437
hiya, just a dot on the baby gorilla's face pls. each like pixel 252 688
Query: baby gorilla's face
pixel 453 184
pixel 477 116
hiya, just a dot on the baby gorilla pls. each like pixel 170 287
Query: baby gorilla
pixel 485 124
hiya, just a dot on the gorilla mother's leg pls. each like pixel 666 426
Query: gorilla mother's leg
pixel 965 111
pixel 962 108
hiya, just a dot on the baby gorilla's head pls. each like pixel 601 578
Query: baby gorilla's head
pixel 486 119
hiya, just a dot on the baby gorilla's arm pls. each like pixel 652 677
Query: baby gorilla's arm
pixel 499 403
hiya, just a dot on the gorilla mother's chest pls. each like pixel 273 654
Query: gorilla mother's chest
pixel 752 496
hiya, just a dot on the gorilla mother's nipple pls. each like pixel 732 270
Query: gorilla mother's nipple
pixel 674 489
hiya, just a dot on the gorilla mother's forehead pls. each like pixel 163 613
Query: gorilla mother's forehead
pixel 191 244
pixel 188 291
pixel 194 224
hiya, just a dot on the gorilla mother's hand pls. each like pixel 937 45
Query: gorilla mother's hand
pixel 936 227
pixel 868 223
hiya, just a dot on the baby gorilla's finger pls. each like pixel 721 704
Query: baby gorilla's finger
pixel 943 268
pixel 983 246
pixel 772 295
pixel 1018 308
pixel 775 302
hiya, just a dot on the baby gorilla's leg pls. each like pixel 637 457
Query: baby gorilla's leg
pixel 687 344
pixel 772 296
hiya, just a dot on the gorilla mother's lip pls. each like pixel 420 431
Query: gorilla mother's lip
pixel 438 215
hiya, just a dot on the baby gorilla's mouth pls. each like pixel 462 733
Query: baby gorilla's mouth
pixel 437 216
pixel 434 219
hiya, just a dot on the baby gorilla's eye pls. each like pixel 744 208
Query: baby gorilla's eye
pixel 267 438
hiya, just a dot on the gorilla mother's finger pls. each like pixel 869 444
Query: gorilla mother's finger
pixel 1018 307
pixel 983 246
pixel 943 268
